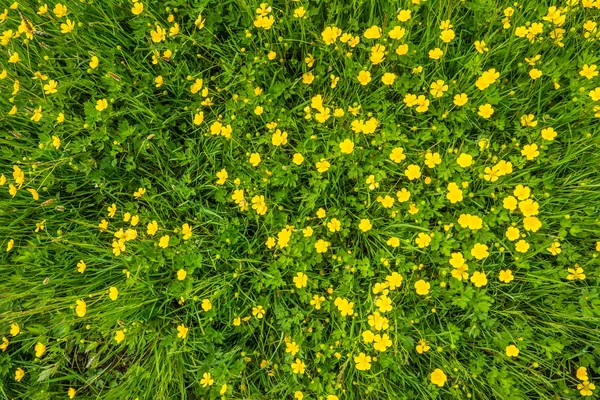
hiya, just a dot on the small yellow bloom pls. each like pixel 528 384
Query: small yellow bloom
pixel 163 243
pixel 512 350
pixel 181 274
pixel 137 8
pixel 101 104
pixel 67 27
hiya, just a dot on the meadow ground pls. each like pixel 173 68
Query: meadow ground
pixel 341 199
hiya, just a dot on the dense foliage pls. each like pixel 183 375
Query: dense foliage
pixel 299 200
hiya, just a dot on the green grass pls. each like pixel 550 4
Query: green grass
pixel 146 138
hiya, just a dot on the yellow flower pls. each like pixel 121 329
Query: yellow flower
pixel 103 225
pixel 402 49
pixel 464 160
pixel 548 134
pixel 522 246
pixel 535 73
pixel 200 21
pixel 300 280
pixel 279 138
pixel 80 308
pixel 485 110
pixel 397 155
pixel 480 251
pixel 163 242
pixel 113 293
pixel 56 142
pixel 40 349
pixel 479 279
pixel 137 8
pixel 207 380
pixel 258 312
pixel 174 30
pixel 347 146
pixel 397 33
pixel 50 87
pixel 529 207
pixel 487 78
pixel 259 204
pixel 481 46
pixel 344 306
pixel 152 228
pixel 582 374
pixel 388 78
pixel 506 276
pixel 365 225
pixel 447 35
pixel 34 193
pixel 37 114
pixel 19 374
pixel 404 15
pixel 10 245
pixel 530 151
pixel 4 344
pixel 159 34
pixel 373 32
pixel 222 176
pixel 101 104
pixel 298 367
pixel 595 94
pixel 14 329
pixel 554 248
pixel 436 53
pixel 297 158
pixel 589 71
pixel 206 305
pixel 364 77
pixel 574 273
pixel 81 266
pixel 330 34
pixel 513 233
pixel 423 240
pixel 323 165
pixel 422 347
pixel 308 78
pixel 316 301
pixel 432 159
pixel 461 99
pixel 512 350
pixel 413 172
pixel 321 246
pixel 186 231
pixel 299 12
pixel 14 58
pixel 60 10
pixel 384 304
pixel 585 388
pixel 422 287
pixel 181 274
pixel 71 393
pixel 119 336
pixel 67 27
pixel 182 331
pixel 292 348
pixel 94 62
pixel 362 362
pixel 438 377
